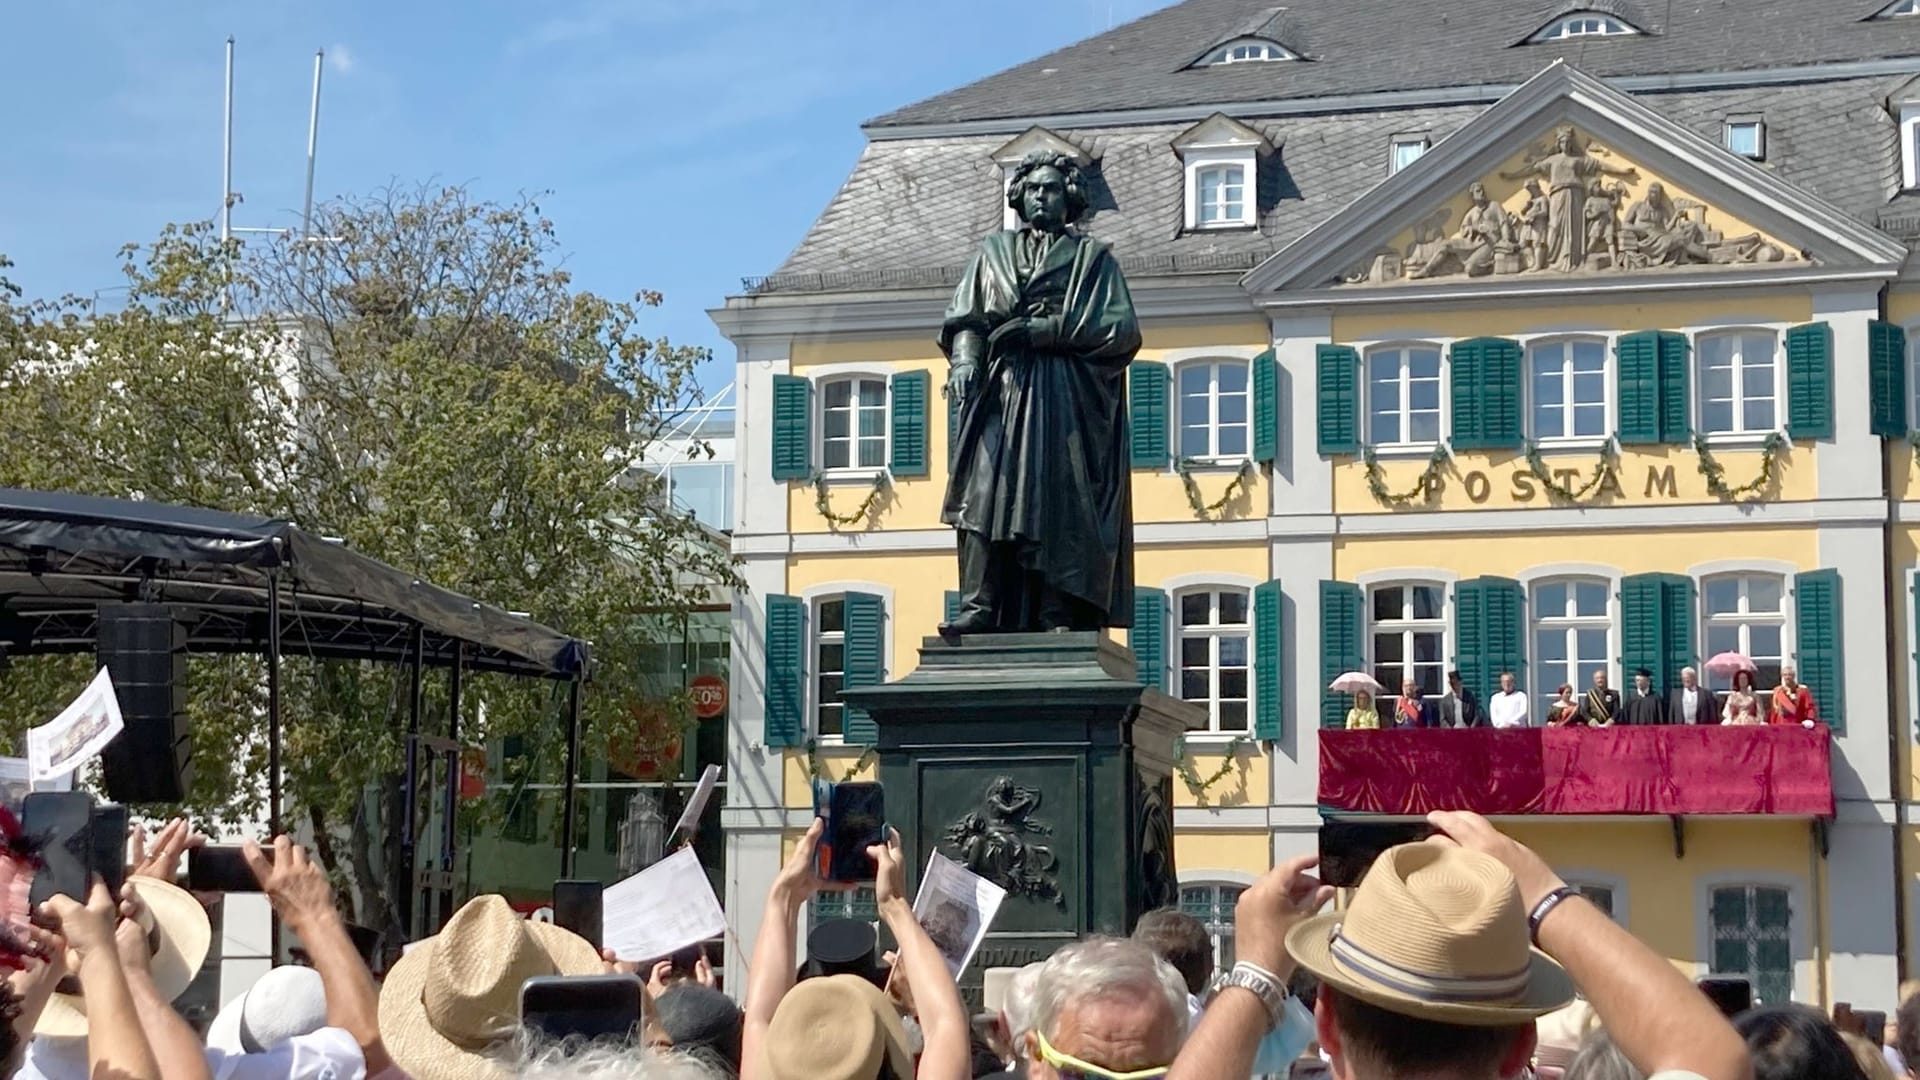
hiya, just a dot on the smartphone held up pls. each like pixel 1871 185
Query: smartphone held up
pixel 856 819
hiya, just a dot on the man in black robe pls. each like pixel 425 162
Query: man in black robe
pixel 1644 704
pixel 1040 332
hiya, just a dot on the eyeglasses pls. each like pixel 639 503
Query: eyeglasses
pixel 1072 1068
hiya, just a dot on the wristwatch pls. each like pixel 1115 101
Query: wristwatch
pixel 1265 985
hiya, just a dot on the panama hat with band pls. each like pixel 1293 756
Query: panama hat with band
pixel 1437 933
pixel 452 1001
pixel 179 936
pixel 838 1027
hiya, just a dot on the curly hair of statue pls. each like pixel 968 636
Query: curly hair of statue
pixel 1069 170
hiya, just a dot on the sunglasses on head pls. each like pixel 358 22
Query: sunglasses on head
pixel 1072 1068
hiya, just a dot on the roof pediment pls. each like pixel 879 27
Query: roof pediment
pixel 1567 185
pixel 1037 138
pixel 1222 132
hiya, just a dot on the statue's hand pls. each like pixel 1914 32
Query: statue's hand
pixel 960 384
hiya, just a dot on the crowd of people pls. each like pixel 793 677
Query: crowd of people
pixel 1690 702
pixel 1463 957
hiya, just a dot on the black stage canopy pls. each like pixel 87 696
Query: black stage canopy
pixel 62 555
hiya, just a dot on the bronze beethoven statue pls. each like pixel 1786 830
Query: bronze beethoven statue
pixel 1040 332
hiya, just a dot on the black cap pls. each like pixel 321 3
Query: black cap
pixel 843 947
pixel 692 1016
pixel 1643 671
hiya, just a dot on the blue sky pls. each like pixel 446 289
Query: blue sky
pixel 685 144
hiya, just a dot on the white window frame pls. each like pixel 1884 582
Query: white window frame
pixel 1539 619
pixel 1406 627
pixel 1200 159
pixel 1799 952
pixel 1213 632
pixel 818 639
pixel 1397 142
pixel 823 377
pixel 1607 404
pixel 1584 877
pixel 1899 9
pixel 1239 218
pixel 1574 24
pixel 1223 54
pixel 1212 364
pixel 1912 360
pixel 1366 377
pixel 1744 618
pixel 1740 433
pixel 1759 126
pixel 1910 144
pixel 1216 928
pixel 813 596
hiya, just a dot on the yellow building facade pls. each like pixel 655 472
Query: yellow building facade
pixel 1576 353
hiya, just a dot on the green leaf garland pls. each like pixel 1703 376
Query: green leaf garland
pixel 1423 488
pixel 1202 509
pixel 864 512
pixel 1190 776
pixel 1752 490
pixel 1607 466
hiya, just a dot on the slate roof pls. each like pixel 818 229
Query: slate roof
pixel 1362 46
pixel 913 209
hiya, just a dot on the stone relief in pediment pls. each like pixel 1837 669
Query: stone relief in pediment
pixel 1566 207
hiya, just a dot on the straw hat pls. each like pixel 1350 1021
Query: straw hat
pixel 839 1027
pixel 287 1001
pixel 1437 933
pixel 180 937
pixel 448 1002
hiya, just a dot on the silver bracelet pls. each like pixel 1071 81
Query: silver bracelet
pixel 1264 984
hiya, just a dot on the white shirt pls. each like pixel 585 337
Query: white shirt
pixel 327 1054
pixel 1690 705
pixel 1508 709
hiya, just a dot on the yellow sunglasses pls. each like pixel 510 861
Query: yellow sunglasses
pixel 1072 1068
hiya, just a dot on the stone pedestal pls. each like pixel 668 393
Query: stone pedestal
pixel 1039 761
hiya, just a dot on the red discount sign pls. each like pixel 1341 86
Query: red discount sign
pixel 709 694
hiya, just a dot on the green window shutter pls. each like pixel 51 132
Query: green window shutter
pixel 1817 625
pixel 1643 632
pixel 1490 629
pixel 909 456
pixel 1149 636
pixel 786 670
pixel 1269 659
pixel 951 608
pixel 1337 378
pixel 1147 387
pixel 1637 379
pixel 1265 378
pixel 1676 624
pixel 1887 378
pixel 792 427
pixel 1466 371
pixel 1341 607
pixel 866 635
pixel 1674 373
pixel 1810 382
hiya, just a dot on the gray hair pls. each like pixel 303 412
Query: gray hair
pixel 1018 1007
pixel 571 1060
pixel 1600 1059
pixel 1689 671
pixel 1104 968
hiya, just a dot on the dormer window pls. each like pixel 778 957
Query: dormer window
pixel 1899 9
pixel 1246 51
pixel 1221 158
pixel 1747 136
pixel 1582 24
pixel 1407 149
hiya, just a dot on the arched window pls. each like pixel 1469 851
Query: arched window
pixel 1746 613
pixel 1739 382
pixel 1752 938
pixel 1403 395
pixel 1583 24
pixel 829 664
pixel 1245 51
pixel 1212 903
pixel 1408 631
pixel 853 423
pixel 1571 626
pixel 1213 410
pixel 1567 388
pixel 1215 638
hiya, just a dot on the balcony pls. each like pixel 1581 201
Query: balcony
pixel 1667 771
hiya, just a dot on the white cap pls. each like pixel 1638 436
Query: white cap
pixel 287 1001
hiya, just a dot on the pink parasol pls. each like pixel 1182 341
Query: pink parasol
pixel 1355 681
pixel 1727 663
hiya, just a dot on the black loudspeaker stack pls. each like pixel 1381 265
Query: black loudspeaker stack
pixel 144 650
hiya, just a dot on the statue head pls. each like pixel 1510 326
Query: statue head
pixel 1565 140
pixel 1478 193
pixel 1048 191
pixel 1657 193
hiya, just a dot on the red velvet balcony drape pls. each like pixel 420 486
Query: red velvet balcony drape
pixel 1620 770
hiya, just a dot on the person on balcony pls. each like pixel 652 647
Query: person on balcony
pixel 1563 710
pixel 1508 708
pixel 1743 705
pixel 1644 706
pixel 1792 701
pixel 1458 707
pixel 1691 703
pixel 1363 716
pixel 1413 710
pixel 1601 706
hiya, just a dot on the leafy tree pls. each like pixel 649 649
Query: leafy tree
pixel 423 381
